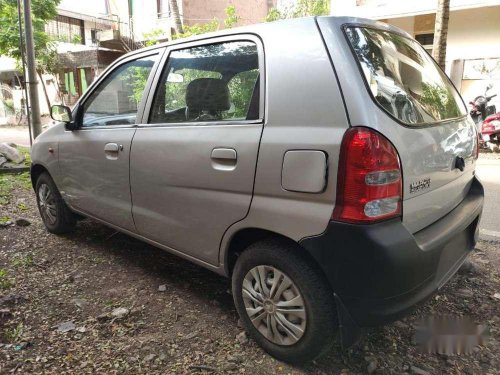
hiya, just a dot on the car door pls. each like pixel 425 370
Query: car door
pixel 94 159
pixel 193 159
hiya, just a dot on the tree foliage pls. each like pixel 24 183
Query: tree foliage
pixel 197 29
pixel 42 11
pixel 151 38
pixel 302 8
pixel 231 17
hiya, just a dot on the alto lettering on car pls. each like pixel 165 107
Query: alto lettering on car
pixel 420 185
pixel 286 156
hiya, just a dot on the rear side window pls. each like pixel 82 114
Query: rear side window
pixel 213 82
pixel 404 80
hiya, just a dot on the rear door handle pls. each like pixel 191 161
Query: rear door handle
pixel 224 159
pixel 224 153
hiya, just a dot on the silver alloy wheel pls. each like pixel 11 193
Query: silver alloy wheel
pixel 47 204
pixel 274 305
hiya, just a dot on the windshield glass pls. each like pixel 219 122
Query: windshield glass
pixel 403 78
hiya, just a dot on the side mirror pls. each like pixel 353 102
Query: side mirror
pixel 62 113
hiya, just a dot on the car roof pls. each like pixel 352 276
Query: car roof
pixel 268 26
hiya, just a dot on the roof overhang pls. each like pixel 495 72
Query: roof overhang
pixel 379 10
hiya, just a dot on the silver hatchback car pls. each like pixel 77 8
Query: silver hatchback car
pixel 325 164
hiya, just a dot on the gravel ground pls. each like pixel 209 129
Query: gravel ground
pixel 97 301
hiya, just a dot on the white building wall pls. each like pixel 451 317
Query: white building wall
pixel 89 7
pixel 474 33
pixel 382 9
pixel 146 18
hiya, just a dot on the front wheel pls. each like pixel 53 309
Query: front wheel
pixel 284 302
pixel 55 214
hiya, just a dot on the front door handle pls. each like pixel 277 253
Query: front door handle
pixel 111 150
pixel 111 147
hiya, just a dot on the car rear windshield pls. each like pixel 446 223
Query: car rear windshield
pixel 403 78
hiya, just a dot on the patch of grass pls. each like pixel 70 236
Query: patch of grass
pixel 9 182
pixel 13 334
pixel 23 261
pixel 98 260
pixel 4 220
pixel 27 156
pixel 22 207
pixel 24 180
pixel 4 281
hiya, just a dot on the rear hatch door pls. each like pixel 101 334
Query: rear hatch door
pixel 391 84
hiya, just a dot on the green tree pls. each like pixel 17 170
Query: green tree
pixel 274 15
pixel 42 11
pixel 151 38
pixel 301 8
pixel 198 29
pixel 232 17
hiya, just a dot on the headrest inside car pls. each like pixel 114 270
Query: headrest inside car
pixel 207 94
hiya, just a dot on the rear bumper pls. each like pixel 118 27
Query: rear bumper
pixel 382 271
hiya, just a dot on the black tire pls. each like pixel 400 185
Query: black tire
pixel 321 318
pixel 64 220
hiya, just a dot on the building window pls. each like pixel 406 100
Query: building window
pixel 425 39
pixel 162 8
pixel 93 36
pixel 66 29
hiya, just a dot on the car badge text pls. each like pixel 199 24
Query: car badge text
pixel 417 186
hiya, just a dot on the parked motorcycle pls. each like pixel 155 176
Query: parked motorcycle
pixel 480 108
pixel 486 120
pixel 490 132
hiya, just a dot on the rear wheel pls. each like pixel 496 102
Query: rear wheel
pixel 493 146
pixel 55 214
pixel 284 302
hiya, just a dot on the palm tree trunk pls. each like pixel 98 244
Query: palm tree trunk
pixel 441 32
pixel 174 12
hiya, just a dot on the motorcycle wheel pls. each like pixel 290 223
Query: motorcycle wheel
pixel 493 147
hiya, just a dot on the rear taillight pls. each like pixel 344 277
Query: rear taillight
pixel 369 181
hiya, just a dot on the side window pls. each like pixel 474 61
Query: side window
pixel 241 89
pixel 116 99
pixel 215 82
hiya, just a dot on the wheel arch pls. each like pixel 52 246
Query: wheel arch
pixel 244 237
pixel 35 172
